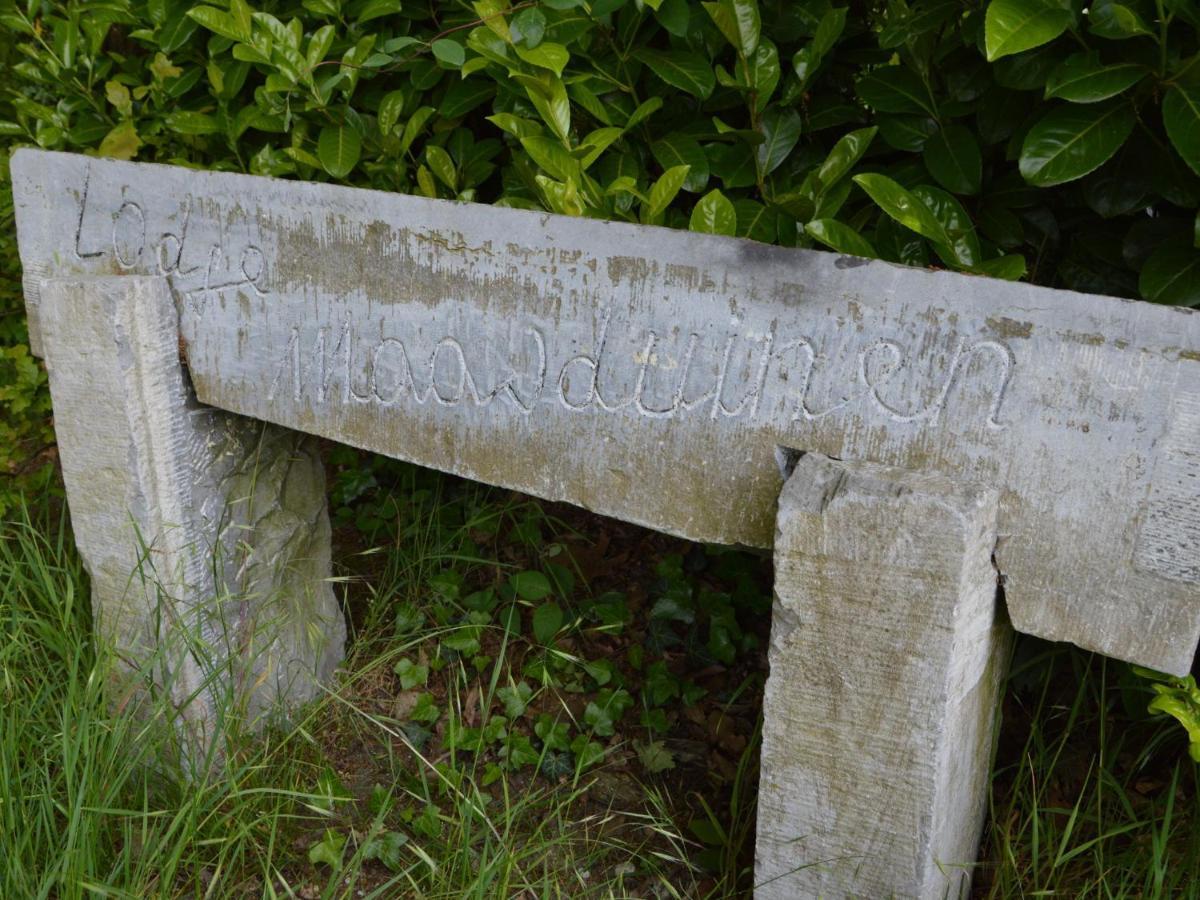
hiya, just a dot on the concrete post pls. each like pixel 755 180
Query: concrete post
pixel 205 534
pixel 886 664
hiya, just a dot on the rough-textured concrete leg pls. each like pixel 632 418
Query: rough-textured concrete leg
pixel 205 534
pixel 886 662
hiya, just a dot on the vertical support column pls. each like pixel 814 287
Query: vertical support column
pixel 886 664
pixel 205 534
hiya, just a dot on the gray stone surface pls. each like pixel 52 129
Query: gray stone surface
pixel 652 374
pixel 205 534
pixel 886 663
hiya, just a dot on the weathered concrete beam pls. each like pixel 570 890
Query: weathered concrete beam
pixel 886 664
pixel 650 374
pixel 205 534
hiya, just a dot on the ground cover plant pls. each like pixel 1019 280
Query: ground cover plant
pixel 531 726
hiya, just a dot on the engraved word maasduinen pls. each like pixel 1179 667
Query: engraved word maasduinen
pixel 752 375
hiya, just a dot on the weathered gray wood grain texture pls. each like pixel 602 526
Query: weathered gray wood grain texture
pixel 651 374
pixel 205 533
pixel 886 663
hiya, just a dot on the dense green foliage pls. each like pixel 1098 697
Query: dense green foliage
pixel 1054 138
pixel 1057 140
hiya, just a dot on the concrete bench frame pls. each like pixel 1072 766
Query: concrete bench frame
pixel 906 441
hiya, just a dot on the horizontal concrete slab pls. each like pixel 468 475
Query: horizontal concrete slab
pixel 653 375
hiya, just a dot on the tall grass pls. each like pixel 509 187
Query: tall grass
pixel 1090 798
pixel 88 809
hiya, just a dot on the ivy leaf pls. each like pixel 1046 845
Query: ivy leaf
pixel 655 757
pixel 1071 141
pixel 515 699
pixel 411 674
pixel 1082 78
pixel 547 620
pixel 1011 26
pixel 530 585
pixel 952 157
pixel 840 237
pixel 1181 115
pixel 386 849
pixel 338 148
pixel 902 206
pixel 714 214
pixel 1172 275
pixel 328 851
pixel 687 71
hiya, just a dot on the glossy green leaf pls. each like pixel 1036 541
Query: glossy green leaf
pixel 1172 275
pixel 808 59
pixel 663 191
pixel 1181 115
pixel 1011 26
pixel 739 21
pixel 551 157
pixel 449 53
pixel 961 247
pixel 528 27
pixel 1071 141
pixel 689 72
pixel 840 237
pixel 714 214
pixel 390 109
pixel 764 73
pixel 464 96
pixel 1082 78
pixel 548 55
pixel 842 158
pixel 895 89
pixel 338 148
pixel 219 22
pixel 1116 21
pixel 780 129
pixel 185 122
pixel 908 133
pixel 683 150
pixel 442 166
pixel 552 103
pixel 902 206
pixel 952 157
pixel 1010 268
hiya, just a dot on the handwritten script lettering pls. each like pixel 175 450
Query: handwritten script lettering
pixel 651 371
pixel 747 377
